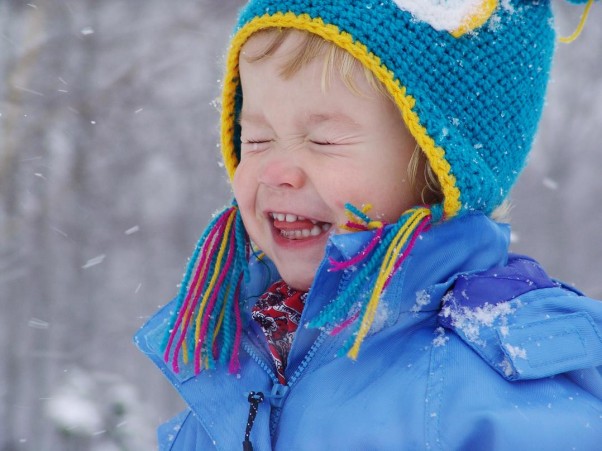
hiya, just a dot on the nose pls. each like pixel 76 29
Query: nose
pixel 282 171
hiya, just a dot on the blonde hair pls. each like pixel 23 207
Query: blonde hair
pixel 335 58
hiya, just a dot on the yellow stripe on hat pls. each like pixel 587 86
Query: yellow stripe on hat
pixel 331 33
pixel 477 18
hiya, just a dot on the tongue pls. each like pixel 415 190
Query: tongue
pixel 297 225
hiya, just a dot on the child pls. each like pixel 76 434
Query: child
pixel 357 295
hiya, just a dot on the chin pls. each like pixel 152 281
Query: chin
pixel 298 283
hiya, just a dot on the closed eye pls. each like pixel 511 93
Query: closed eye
pixel 255 141
pixel 254 145
pixel 324 143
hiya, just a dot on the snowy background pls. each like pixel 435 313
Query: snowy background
pixel 109 170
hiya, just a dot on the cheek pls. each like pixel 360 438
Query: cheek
pixel 385 187
pixel 244 190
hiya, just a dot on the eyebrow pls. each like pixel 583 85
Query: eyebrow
pixel 335 117
pixel 313 119
pixel 250 117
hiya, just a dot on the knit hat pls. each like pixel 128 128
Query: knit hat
pixel 469 77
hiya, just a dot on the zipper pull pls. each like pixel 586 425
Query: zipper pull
pixel 254 400
pixel 278 395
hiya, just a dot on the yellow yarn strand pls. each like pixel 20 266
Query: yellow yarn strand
pixel 577 32
pixel 331 33
pixel 386 268
pixel 220 254
pixel 185 358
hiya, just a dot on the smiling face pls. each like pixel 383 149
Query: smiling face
pixel 306 151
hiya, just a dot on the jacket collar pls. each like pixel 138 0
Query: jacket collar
pixel 464 245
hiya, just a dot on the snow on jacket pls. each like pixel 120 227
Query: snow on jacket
pixel 472 348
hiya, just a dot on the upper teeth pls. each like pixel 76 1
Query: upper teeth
pixel 289 217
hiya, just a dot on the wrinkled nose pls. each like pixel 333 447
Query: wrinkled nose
pixel 282 171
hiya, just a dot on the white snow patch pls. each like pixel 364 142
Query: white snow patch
pixel 94 261
pixel 469 320
pixel 443 15
pixel 380 317
pixel 515 351
pixel 72 412
pixel 132 230
pixel 494 25
pixel 507 367
pixel 441 339
pixel 36 323
pixel 422 299
pixel 550 184
pixel 507 5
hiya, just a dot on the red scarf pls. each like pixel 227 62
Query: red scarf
pixel 278 312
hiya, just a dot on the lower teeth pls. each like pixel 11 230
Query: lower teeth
pixel 304 233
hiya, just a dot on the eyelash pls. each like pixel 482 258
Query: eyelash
pixel 323 143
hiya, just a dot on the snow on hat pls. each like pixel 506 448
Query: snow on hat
pixel 469 77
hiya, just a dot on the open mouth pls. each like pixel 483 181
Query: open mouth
pixel 294 227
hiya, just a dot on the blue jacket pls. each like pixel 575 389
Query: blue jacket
pixel 472 348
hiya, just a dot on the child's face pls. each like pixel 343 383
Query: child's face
pixel 306 152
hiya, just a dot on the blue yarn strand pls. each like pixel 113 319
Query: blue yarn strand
pixel 360 214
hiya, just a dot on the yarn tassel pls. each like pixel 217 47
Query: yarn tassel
pixel 388 250
pixel 207 314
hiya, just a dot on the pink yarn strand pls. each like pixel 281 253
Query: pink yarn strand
pixel 356 226
pixel 338 266
pixel 234 366
pixel 339 328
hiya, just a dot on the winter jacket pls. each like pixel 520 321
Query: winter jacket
pixel 472 348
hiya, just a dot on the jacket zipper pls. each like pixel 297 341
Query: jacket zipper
pixel 247 345
pixel 279 392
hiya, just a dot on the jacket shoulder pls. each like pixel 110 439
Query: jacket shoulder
pixel 523 323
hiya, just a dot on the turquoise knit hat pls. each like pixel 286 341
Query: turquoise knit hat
pixel 469 77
